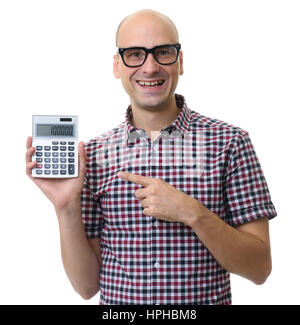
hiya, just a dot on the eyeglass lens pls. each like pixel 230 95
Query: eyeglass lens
pixel 164 55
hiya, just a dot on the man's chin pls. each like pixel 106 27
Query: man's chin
pixel 151 103
pixel 150 106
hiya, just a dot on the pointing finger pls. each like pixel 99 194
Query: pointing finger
pixel 137 179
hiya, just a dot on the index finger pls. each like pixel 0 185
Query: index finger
pixel 137 179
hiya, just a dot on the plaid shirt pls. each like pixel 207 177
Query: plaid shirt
pixel 151 261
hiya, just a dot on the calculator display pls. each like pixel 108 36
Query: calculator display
pixel 55 130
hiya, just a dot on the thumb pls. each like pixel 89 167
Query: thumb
pixel 82 158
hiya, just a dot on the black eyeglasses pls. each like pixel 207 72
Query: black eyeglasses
pixel 134 57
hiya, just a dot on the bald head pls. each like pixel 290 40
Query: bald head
pixel 143 22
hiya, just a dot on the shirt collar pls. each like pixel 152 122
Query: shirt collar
pixel 181 123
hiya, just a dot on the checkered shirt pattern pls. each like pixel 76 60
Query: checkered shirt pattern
pixel 150 261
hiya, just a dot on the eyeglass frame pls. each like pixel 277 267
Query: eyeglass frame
pixel 121 51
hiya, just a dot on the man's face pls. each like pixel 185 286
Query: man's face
pixel 148 32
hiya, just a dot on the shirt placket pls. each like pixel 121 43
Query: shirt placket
pixel 145 153
pixel 154 227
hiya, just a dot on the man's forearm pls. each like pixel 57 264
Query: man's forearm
pixel 238 252
pixel 79 259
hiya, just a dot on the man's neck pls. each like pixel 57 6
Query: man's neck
pixel 154 120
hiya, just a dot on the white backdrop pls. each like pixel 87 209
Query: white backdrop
pixel 241 62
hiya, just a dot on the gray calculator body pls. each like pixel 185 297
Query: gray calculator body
pixel 55 139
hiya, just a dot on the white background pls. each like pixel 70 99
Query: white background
pixel 241 62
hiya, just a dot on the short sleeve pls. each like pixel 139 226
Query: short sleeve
pixel 92 217
pixel 247 196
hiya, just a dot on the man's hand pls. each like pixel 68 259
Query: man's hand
pixel 60 191
pixel 162 200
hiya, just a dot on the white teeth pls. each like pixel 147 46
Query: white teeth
pixel 152 83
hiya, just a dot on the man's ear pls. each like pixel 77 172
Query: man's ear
pixel 180 63
pixel 116 66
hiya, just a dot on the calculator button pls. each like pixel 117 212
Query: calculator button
pixel 56 158
pixel 71 169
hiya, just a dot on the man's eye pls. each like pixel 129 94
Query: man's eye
pixel 135 54
pixel 163 52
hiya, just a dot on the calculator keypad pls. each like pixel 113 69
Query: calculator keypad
pixel 55 159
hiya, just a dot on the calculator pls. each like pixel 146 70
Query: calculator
pixel 56 149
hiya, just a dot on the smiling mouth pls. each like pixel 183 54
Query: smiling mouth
pixel 154 83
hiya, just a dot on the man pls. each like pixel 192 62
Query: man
pixel 170 202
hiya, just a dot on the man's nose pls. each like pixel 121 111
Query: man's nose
pixel 150 66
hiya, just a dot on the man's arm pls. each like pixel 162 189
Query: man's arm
pixel 81 257
pixel 243 250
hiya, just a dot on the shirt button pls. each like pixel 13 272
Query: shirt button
pixel 156 224
pixel 155 147
pixel 156 264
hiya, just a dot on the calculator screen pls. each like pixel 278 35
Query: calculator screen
pixel 55 130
